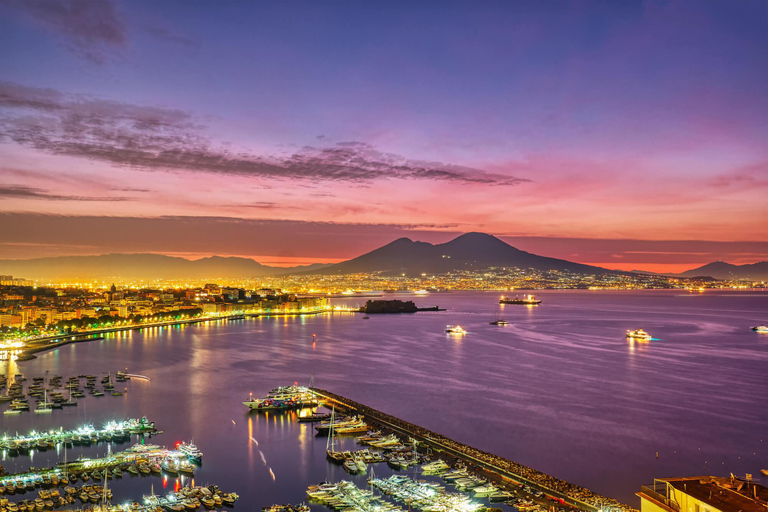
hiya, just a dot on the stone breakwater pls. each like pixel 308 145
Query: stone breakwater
pixel 572 494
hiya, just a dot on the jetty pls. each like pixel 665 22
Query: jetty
pixel 113 431
pixel 503 470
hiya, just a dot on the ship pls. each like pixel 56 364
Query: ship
pixel 526 299
pixel 284 398
pixel 638 334
pixel 455 329
pixel 760 328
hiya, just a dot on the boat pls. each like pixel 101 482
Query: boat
pixel 335 424
pixel 185 467
pixel 638 334
pixel 330 451
pixel 229 498
pixel 527 299
pixel 45 405
pixel 499 322
pixel 760 328
pixel 284 398
pixel 191 451
pixel 351 466
pixel 764 471
pixel 314 417
pixel 169 466
pixel 455 329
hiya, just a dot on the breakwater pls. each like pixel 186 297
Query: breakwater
pixel 504 469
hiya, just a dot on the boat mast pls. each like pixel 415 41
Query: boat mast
pixel 330 434
pixel 104 499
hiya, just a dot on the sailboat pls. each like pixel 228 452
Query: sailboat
pixel 70 402
pixel 330 451
pixel 45 405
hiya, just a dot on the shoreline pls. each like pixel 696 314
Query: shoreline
pixel 29 353
pixel 35 346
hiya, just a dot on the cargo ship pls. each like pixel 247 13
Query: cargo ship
pixel 525 299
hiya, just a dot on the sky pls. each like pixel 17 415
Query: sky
pixel 630 135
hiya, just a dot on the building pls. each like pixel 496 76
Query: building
pixel 704 494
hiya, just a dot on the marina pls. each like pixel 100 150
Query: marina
pixel 504 471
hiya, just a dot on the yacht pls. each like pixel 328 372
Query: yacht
pixel 526 299
pixel 638 334
pixel 455 329
pixel 499 322
pixel 282 398
pixel 760 328
pixel 45 405
pixel 191 451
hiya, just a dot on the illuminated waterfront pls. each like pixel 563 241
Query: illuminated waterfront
pixel 560 389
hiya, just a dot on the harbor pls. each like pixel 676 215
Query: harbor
pixel 201 376
pixel 503 472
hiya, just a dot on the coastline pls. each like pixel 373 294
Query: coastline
pixel 37 345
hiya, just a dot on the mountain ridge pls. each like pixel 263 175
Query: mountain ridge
pixel 142 266
pixel 470 251
pixel 723 270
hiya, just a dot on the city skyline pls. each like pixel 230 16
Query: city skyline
pixel 628 136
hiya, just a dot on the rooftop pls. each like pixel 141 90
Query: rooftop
pixel 726 494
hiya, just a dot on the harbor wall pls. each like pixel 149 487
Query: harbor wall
pixel 505 469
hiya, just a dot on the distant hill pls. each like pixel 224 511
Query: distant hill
pixel 141 266
pixel 722 270
pixel 471 251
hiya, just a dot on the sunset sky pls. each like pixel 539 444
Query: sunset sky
pixel 631 135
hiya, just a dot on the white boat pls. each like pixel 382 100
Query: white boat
pixel 455 329
pixel 639 334
pixel 760 328
pixel 45 405
pixel 191 451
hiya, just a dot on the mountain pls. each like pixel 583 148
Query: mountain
pixel 140 267
pixel 471 251
pixel 722 270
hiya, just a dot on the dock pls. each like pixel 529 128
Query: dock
pixel 504 470
pixel 113 431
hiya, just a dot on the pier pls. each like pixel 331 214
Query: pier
pixel 112 431
pixel 504 470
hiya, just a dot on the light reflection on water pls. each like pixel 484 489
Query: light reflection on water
pixel 560 389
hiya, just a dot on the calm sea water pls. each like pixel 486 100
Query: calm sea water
pixel 560 389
